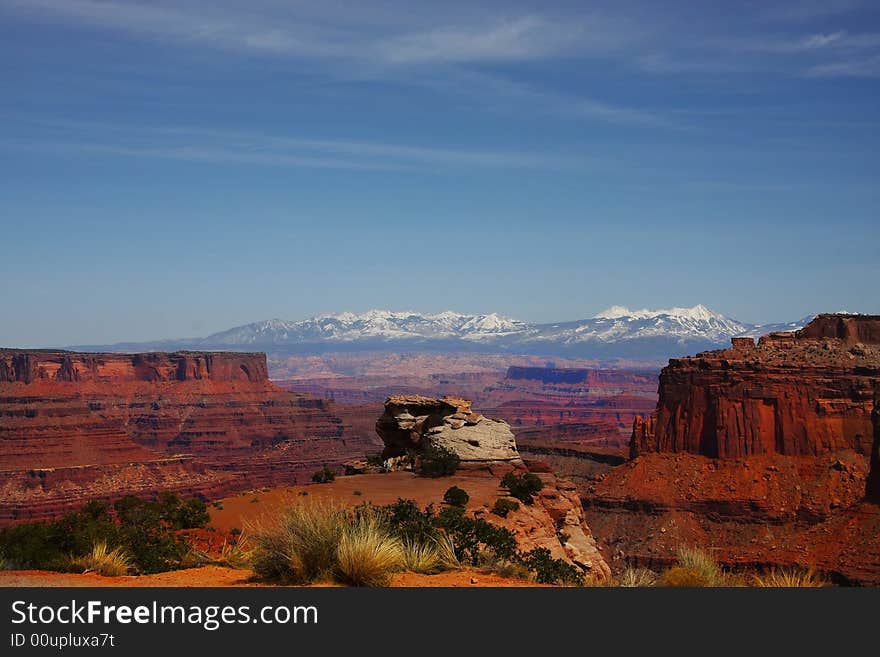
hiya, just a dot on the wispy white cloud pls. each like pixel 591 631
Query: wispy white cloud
pixel 229 146
pixel 823 40
pixel 868 67
pixel 523 38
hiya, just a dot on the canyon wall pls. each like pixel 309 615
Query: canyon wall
pixel 758 453
pixel 799 394
pixel 76 426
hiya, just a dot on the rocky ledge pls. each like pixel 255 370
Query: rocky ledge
pixel 413 423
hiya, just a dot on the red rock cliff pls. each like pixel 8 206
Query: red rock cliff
pixel 802 393
pixel 77 426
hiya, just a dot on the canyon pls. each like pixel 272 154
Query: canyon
pixel 760 453
pixel 81 426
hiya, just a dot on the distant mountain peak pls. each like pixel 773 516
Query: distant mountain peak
pixel 698 312
pixel 616 332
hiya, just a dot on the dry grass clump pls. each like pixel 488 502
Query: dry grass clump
pixel 789 578
pixel 103 561
pixel 696 568
pixel 419 557
pixel 315 540
pixel 298 546
pixel 367 554
pixel 636 578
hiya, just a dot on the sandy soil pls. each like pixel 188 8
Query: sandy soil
pixel 216 576
pixel 382 489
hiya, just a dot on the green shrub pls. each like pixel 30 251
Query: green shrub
pixel 456 496
pixel 437 461
pixel 324 476
pixel 473 535
pixel 142 530
pixel 549 570
pixel 503 506
pixel 408 522
pixel 522 487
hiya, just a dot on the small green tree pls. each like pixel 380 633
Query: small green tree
pixel 456 496
pixel 324 476
pixel 503 506
pixel 522 487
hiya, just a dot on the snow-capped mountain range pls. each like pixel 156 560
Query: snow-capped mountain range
pixel 617 332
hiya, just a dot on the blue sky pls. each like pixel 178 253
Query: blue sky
pixel 169 169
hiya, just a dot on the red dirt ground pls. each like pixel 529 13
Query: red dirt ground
pixel 216 576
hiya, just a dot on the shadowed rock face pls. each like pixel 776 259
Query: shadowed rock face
pixel 872 488
pixel 804 393
pixel 414 422
pixel 77 426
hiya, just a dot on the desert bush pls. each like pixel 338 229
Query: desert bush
pixel 456 496
pixel 551 571
pixel 680 577
pixel 324 476
pixel 472 535
pixel 367 554
pixel 503 506
pixel 522 487
pixel 143 529
pixel 407 521
pixel 789 578
pixel 103 561
pixel 702 567
pixel 437 461
pixel 636 578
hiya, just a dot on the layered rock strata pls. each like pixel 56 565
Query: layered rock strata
pixel 76 426
pixel 799 394
pixel 759 453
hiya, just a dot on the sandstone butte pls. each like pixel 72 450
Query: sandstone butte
pixel 761 453
pixel 81 426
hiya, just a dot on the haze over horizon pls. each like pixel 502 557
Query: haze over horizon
pixel 170 170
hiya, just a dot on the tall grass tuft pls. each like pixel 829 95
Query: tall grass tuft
pixel 299 546
pixel 103 561
pixel 636 578
pixel 446 552
pixel 789 578
pixel 367 554
pixel 421 557
pixel 696 568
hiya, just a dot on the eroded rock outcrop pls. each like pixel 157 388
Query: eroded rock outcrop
pixel 77 426
pixel 760 452
pixel 414 422
pixel 799 394
pixel 487 448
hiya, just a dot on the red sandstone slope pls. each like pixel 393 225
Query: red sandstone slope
pixel 81 426
pixel 757 452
